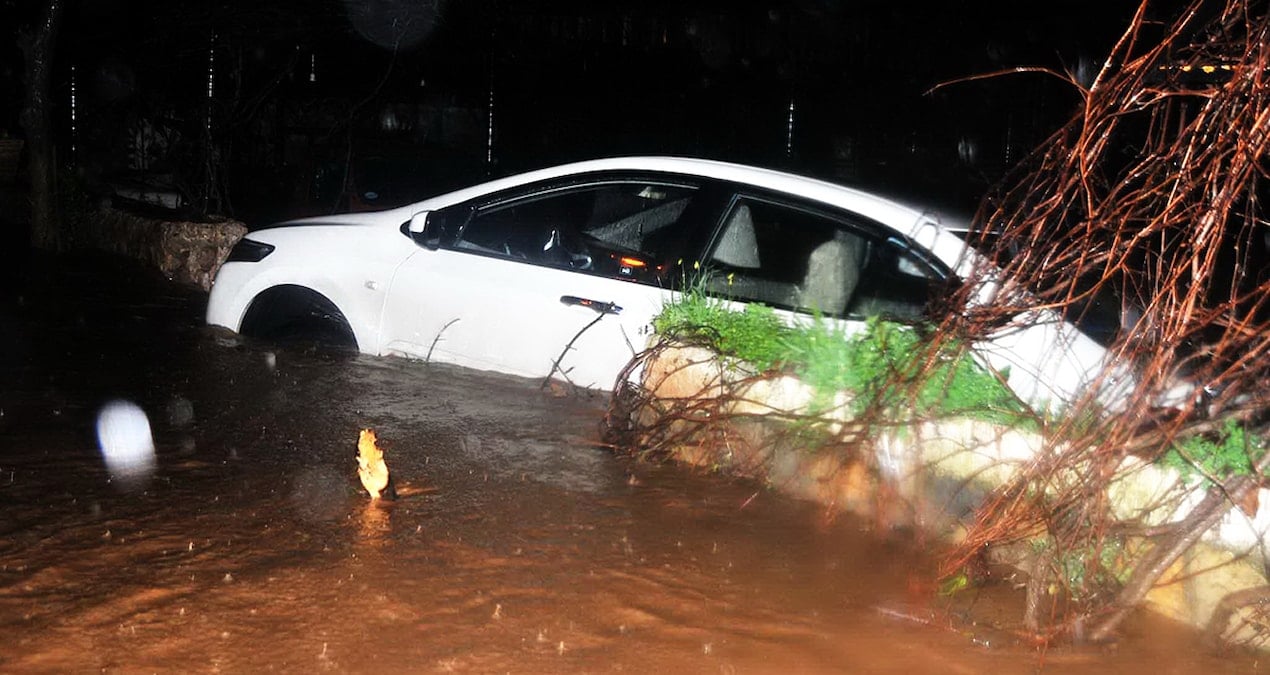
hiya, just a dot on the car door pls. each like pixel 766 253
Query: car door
pixel 810 259
pixel 557 279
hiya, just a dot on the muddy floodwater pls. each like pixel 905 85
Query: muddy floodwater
pixel 518 544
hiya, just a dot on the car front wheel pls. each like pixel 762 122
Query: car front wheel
pixel 292 314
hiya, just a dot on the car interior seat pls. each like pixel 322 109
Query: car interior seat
pixel 833 272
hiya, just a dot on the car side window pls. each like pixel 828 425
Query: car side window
pixel 613 228
pixel 896 283
pixel 797 259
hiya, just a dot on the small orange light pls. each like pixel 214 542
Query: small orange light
pixel 633 262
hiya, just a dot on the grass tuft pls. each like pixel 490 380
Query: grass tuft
pixel 874 365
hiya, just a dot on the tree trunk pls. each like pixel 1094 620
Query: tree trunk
pixel 37 121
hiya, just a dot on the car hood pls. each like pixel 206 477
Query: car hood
pixel 369 218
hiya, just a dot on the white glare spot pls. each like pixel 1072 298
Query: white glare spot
pixel 123 434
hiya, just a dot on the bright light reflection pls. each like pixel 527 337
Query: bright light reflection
pixel 123 434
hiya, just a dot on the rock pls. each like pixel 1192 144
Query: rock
pixel 187 252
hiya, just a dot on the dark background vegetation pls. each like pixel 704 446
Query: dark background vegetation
pixel 315 103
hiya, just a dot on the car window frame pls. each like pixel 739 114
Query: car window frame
pixel 849 220
pixel 698 215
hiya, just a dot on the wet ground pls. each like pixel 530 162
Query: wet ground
pixel 518 545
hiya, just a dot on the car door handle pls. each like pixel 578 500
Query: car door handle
pixel 600 307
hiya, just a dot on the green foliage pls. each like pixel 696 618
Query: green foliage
pixel 888 357
pixel 954 584
pixel 753 335
pixel 960 386
pixel 1229 452
pixel 1090 571
pixel 876 365
pixel 828 358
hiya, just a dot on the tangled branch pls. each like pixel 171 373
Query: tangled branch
pixel 1142 220
pixel 1145 207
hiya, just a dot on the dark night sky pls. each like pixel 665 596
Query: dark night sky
pixel 575 79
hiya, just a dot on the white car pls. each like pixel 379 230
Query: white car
pixel 560 271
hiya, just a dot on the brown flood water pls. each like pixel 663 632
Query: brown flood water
pixel 518 545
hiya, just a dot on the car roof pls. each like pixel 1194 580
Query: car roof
pixel 905 217
pixel 936 230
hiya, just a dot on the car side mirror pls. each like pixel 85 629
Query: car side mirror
pixel 926 234
pixel 424 229
pixel 419 222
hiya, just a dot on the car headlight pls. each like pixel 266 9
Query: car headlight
pixel 248 250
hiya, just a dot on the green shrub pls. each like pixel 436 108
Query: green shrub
pixel 875 365
pixel 1228 452
pixel 752 335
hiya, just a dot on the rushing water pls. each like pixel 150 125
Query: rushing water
pixel 518 544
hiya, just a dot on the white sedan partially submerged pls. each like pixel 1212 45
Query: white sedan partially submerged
pixel 559 272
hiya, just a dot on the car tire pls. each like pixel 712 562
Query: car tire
pixel 291 314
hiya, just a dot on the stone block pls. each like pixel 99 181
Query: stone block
pixel 186 251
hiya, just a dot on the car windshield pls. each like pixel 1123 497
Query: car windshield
pixel 1100 317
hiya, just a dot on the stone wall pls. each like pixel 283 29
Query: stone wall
pixel 933 474
pixel 185 251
